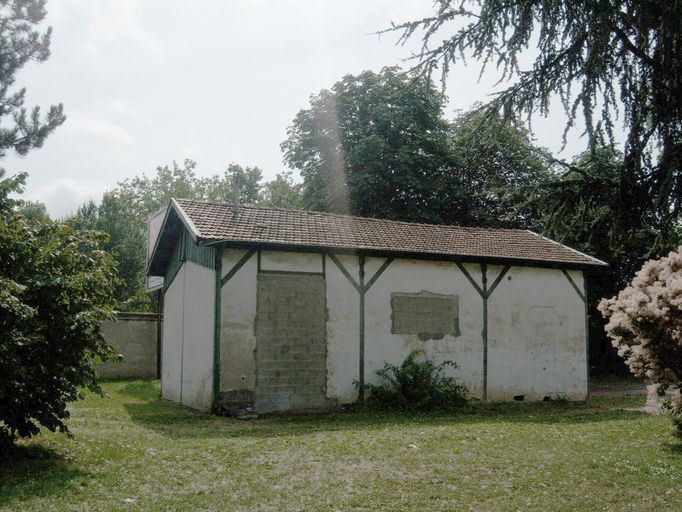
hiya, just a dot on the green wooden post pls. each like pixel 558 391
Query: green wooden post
pixel 216 325
pixel 361 369
pixel 484 281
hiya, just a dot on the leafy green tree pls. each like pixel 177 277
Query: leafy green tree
pixel 282 192
pixel 497 161
pixel 8 186
pixel 597 58
pixel 55 281
pixel 32 210
pixel 124 211
pixel 220 188
pixel 375 145
pixel 55 290
pixel 378 145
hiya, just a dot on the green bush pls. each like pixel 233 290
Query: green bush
pixel 418 384
pixel 55 289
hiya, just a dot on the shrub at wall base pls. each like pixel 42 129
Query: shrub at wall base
pixel 418 384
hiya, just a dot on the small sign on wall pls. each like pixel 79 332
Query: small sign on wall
pixel 425 314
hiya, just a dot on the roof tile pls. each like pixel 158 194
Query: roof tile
pixel 258 225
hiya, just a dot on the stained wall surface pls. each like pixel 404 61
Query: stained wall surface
pixel 536 324
pixel 134 337
pixel 187 349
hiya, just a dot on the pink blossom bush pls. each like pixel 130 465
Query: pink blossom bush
pixel 645 325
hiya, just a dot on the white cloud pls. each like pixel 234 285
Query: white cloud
pixel 64 195
pixel 94 126
pixel 108 26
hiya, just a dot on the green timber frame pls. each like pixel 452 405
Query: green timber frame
pixel 220 282
pixel 584 298
pixel 362 288
pixel 485 294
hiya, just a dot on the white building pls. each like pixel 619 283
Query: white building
pixel 275 309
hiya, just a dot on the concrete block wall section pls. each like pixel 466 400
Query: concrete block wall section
pixel 291 342
pixel 134 336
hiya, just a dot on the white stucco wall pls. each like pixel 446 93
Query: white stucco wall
pixel 171 345
pixel 536 325
pixel 197 361
pixel 343 303
pixel 413 276
pixel 238 315
pixel 187 346
pixel 536 335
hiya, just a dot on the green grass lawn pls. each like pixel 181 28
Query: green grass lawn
pixel 132 451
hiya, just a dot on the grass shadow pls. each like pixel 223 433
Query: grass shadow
pixel 146 390
pixel 674 447
pixel 31 471
pixel 176 422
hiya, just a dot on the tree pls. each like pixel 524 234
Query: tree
pixel 645 325
pixel 124 211
pixel 55 290
pixel 55 282
pixel 221 188
pixel 378 145
pixel 594 56
pixel 32 210
pixel 282 192
pixel 21 43
pixel 577 207
pixel 498 163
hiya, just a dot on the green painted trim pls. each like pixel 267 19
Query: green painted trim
pixel 471 279
pixel 587 336
pixel 362 289
pixel 173 268
pixel 324 265
pixel 484 280
pixel 377 274
pixel 361 362
pixel 498 279
pixel 295 272
pixel 236 266
pixel 258 265
pixel 575 286
pixel 162 230
pixel 345 272
pixel 187 250
pixel 485 294
pixel 217 325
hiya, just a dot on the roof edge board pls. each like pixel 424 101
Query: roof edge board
pixel 189 224
pixel 162 229
pixel 600 262
pixel 465 258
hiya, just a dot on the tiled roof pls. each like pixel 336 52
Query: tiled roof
pixel 213 222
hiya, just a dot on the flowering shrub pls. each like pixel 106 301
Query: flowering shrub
pixel 645 325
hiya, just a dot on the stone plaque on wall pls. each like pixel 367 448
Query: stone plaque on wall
pixel 425 314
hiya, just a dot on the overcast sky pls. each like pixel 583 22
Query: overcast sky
pixel 146 82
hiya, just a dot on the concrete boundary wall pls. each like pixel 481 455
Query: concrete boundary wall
pixel 134 336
